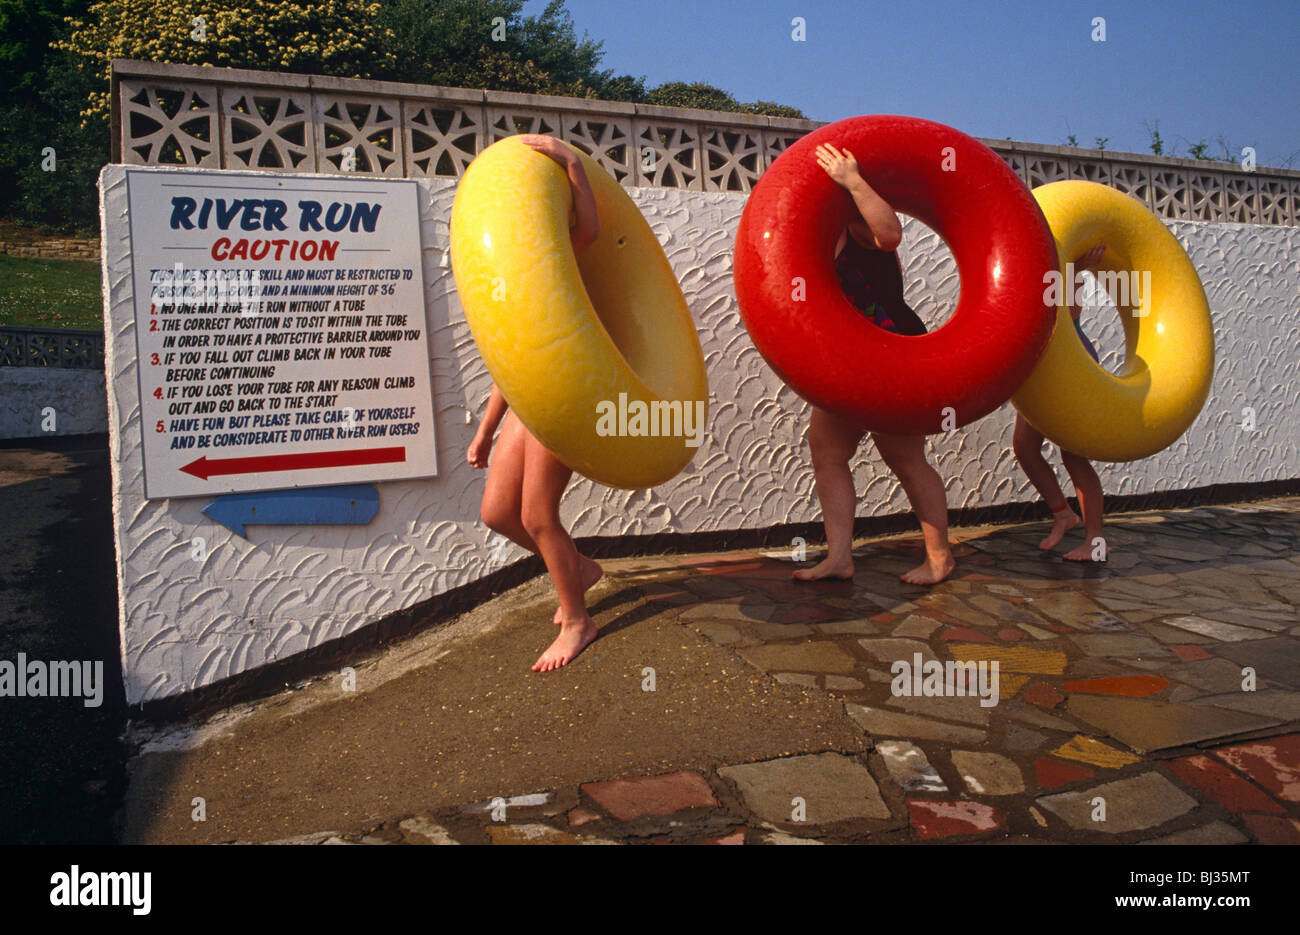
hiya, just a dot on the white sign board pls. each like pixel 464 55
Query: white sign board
pixel 280 331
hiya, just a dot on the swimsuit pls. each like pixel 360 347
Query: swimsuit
pixel 873 281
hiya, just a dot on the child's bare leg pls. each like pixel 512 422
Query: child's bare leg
pixel 1028 445
pixel 832 442
pixel 905 455
pixel 1087 486
pixel 502 509
pixel 545 478
pixel 503 492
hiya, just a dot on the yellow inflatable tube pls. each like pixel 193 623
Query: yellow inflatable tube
pixel 1168 334
pixel 597 356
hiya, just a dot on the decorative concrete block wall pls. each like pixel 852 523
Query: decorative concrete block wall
pixel 189 622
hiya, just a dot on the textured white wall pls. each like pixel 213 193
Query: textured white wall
pixel 187 623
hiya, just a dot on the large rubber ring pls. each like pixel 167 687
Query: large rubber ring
pixel 1168 334
pixel 566 340
pixel 828 351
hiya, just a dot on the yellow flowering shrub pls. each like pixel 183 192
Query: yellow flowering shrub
pixel 338 37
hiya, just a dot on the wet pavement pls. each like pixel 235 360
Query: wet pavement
pixel 62 766
pixel 1151 699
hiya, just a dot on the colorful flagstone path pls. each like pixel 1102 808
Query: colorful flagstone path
pixel 1154 698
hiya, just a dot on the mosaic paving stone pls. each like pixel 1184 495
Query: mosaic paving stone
pixel 807 613
pixel 1132 686
pixel 833 787
pixel 536 834
pixel 881 723
pixel 848 628
pixel 781 838
pixel 1119 644
pixel 1226 632
pixel 892 650
pixel 1052 772
pixel 1011 636
pixel 1010 684
pixel 1087 750
pixel 1275 660
pixel 988 773
pixel 1035 632
pixel 796 678
pixel 1147 726
pixel 1270 830
pixel 1216 832
pixel 909 768
pixel 715 610
pixel 432 833
pixel 949 819
pixel 735 837
pixel 1028 714
pixel 1015 737
pixel 1283 705
pixel 966 709
pixel 780 631
pixel 1043 695
pixel 1209 675
pixel 1222 784
pixel 717 631
pixel 1273 763
pixel 916 626
pixel 1253 619
pixel 1147 800
pixel 1013 658
pixel 1189 653
pixel 842 683
pixel 808 657
pixel 626 799
pixel 965 634
pixel 581 816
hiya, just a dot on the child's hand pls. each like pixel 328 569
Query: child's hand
pixel 1092 258
pixel 548 146
pixel 839 164
pixel 479 449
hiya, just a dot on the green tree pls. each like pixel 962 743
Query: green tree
pixel 490 44
pixel 48 162
pixel 707 97
pixel 340 37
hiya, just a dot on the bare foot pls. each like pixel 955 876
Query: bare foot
pixel 574 637
pixel 1062 523
pixel 931 571
pixel 591 573
pixel 1083 553
pixel 837 569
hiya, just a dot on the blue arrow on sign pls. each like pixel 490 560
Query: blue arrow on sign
pixel 346 504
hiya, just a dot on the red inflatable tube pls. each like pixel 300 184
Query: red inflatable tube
pixel 828 351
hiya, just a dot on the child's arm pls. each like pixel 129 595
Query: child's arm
pixel 886 229
pixel 481 446
pixel 585 227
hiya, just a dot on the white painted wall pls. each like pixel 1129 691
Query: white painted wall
pixel 75 396
pixel 188 623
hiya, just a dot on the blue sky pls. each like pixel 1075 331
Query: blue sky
pixel 1018 68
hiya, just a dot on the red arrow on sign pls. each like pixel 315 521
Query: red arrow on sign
pixel 300 462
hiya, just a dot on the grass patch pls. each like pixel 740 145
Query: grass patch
pixel 41 293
